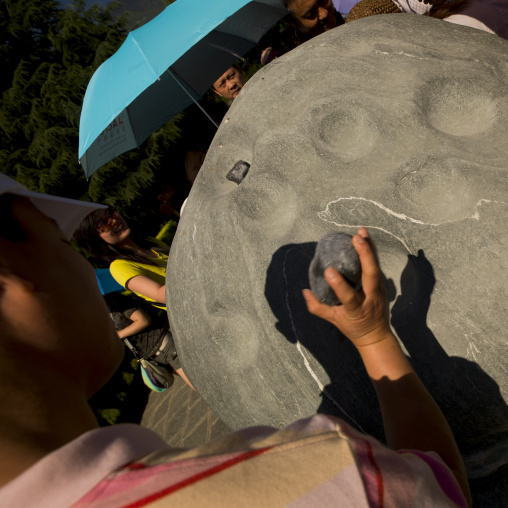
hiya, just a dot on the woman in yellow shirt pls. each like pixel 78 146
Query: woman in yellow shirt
pixel 135 266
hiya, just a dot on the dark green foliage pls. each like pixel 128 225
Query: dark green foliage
pixel 49 55
pixel 167 232
pixel 138 13
pixel 24 29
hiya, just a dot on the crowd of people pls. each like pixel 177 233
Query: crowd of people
pixel 52 451
pixel 308 18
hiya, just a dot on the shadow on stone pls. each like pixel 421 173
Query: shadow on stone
pixel 349 395
pixel 470 399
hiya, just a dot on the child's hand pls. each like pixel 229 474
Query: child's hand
pixel 363 316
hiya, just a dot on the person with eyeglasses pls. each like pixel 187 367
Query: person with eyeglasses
pixel 135 264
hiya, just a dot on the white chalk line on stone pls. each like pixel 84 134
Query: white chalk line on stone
pixel 326 215
pixel 471 349
pixel 304 356
pixel 195 228
pixel 401 53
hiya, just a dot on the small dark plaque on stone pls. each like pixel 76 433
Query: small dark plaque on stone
pixel 238 172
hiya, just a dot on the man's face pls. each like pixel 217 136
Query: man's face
pixel 229 84
pixel 313 17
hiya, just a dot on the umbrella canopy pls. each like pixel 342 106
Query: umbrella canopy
pixel 163 67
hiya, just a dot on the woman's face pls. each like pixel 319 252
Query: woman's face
pixel 111 226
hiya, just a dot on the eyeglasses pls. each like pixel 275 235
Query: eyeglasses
pixel 107 222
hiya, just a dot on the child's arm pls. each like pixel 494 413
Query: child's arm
pixel 411 417
pixel 140 321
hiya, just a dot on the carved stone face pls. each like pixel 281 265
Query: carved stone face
pixel 397 123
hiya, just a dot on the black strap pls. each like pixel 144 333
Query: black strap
pixel 135 351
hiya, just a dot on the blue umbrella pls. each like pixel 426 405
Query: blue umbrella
pixel 162 68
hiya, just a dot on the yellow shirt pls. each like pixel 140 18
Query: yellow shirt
pixel 124 270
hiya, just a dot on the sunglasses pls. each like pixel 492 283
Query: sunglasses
pixel 107 221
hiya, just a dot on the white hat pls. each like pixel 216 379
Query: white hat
pixel 67 213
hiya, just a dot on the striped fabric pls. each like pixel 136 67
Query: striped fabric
pixel 320 461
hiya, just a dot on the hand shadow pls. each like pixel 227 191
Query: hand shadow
pixel 349 394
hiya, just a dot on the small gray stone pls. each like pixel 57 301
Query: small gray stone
pixel 336 250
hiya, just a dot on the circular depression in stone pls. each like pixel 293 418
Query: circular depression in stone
pixel 460 107
pixel 437 190
pixel 267 202
pixel 350 133
pixel 235 337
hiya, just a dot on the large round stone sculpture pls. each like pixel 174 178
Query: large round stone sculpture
pixel 398 123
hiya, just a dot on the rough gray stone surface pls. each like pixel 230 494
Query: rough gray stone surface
pixel 397 123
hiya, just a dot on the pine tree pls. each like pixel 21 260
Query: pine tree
pixel 49 55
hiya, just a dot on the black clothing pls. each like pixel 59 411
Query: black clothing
pixel 148 341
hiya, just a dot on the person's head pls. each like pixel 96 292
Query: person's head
pixel 102 233
pixel 106 236
pixel 312 17
pixel 229 84
pixel 193 161
pixel 54 321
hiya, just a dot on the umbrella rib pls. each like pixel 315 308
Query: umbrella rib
pixel 150 51
pixel 177 79
pixel 142 53
pixel 226 50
